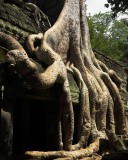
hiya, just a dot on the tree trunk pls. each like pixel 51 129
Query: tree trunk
pixel 65 47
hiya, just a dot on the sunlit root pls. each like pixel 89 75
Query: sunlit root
pixel 32 72
pixel 34 38
pixel 93 148
pixel 47 55
pixel 116 79
pixel 101 106
pixel 69 37
pixel 84 119
pixel 118 105
pixel 67 117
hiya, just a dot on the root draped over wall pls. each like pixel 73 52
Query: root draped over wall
pixel 66 47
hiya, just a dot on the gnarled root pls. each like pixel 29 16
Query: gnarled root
pixel 116 79
pixel 101 107
pixel 100 96
pixel 68 117
pixel 93 148
pixel 9 43
pixel 84 119
pixel 33 73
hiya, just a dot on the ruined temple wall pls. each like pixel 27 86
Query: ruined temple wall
pixel 116 67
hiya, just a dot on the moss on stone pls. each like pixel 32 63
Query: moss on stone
pixel 74 89
pixel 2 56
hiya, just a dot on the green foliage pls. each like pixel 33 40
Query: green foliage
pixel 108 35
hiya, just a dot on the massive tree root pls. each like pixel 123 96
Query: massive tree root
pixel 67 45
pixel 100 86
pixel 38 79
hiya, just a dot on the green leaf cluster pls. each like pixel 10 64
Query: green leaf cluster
pixel 109 36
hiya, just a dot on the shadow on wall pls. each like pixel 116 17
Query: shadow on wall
pixel 6 136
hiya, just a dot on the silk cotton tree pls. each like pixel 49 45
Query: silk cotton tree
pixel 64 48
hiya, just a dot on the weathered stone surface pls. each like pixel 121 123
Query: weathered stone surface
pixel 19 22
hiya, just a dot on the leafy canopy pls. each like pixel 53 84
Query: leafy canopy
pixel 109 36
